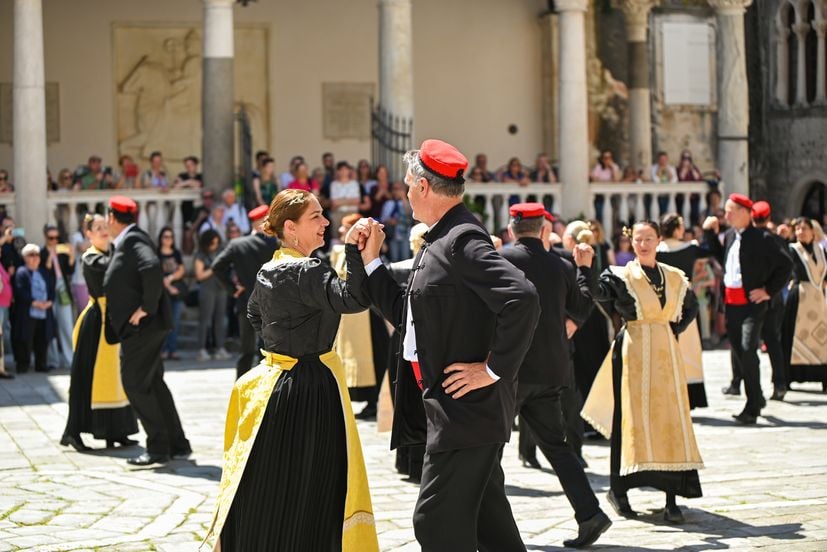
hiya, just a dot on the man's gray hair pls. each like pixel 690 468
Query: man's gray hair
pixel 440 185
pixel 527 226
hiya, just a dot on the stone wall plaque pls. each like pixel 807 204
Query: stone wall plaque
pixel 346 110
pixel 687 63
pixel 52 112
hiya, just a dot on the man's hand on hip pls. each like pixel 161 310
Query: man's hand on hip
pixel 465 377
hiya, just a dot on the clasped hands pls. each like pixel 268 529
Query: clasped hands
pixel 368 235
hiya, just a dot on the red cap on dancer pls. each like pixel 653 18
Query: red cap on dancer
pixel 761 210
pixel 741 200
pixel 443 160
pixel 122 204
pixel 259 212
pixel 520 211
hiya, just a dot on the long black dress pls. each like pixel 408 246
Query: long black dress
pixel 291 496
pixel 113 424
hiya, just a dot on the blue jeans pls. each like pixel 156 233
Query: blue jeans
pixel 171 343
pixel 399 250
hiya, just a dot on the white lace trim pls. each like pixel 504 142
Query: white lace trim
pixel 358 518
pixel 658 466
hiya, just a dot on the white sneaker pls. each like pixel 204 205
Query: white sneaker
pixel 221 354
pixel 203 355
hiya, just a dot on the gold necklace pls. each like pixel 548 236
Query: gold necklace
pixel 657 289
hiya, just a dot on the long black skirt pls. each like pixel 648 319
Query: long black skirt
pixel 103 423
pixel 292 494
pixel 683 483
pixel 797 372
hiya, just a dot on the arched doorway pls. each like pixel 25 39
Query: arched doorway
pixel 815 202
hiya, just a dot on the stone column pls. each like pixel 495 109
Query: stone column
pixel 217 95
pixel 549 43
pixel 733 95
pixel 801 30
pixel 636 13
pixel 29 119
pixel 396 93
pixel 782 52
pixel 821 63
pixel 574 119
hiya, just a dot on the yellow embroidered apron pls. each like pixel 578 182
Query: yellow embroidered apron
pixel 656 428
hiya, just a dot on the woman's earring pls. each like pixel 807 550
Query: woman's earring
pixel 295 242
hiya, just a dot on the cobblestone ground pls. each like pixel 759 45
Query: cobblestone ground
pixel 765 487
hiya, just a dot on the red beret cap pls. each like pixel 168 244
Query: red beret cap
pixel 549 216
pixel 761 210
pixel 122 204
pixel 527 210
pixel 443 159
pixel 741 200
pixel 259 212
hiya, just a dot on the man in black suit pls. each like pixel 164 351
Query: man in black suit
pixel 545 371
pixel 755 269
pixel 467 321
pixel 236 267
pixel 138 316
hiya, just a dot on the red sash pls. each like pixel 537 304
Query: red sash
pixel 735 296
pixel 417 374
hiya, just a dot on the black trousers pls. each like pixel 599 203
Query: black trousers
pixel 248 345
pixel 771 336
pixel 744 324
pixel 541 409
pixel 142 372
pixel 23 349
pixel 462 505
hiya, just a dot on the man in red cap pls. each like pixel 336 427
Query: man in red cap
pixel 771 331
pixel 755 269
pixel 546 373
pixel 466 322
pixel 139 317
pixel 243 257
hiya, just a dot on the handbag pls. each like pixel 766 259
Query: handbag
pixel 182 287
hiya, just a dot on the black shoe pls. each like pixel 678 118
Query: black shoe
pixel 367 413
pixel 182 454
pixel 531 462
pixel 778 393
pixel 621 505
pixel 589 531
pixel 123 442
pixel 731 390
pixel 673 514
pixel 147 459
pixel 45 370
pixel 75 442
pixel 745 418
pixel 6 375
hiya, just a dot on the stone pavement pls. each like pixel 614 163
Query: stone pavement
pixel 765 487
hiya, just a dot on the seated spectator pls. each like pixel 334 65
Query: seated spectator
pixel 381 193
pixel 212 298
pixel 364 176
pixel 190 178
pixel 687 170
pixel 172 266
pixel 215 222
pixel 5 183
pixel 156 175
pixel 543 172
pixel 481 163
pixel 64 181
pixel 234 211
pixel 303 180
pixel 288 176
pixel 93 176
pixel 266 185
pixel 605 170
pixel 515 174
pixel 32 322
pixel 397 216
pixel 662 172
pixel 127 177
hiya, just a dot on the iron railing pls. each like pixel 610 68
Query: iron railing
pixel 391 137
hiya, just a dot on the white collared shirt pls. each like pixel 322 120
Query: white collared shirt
pixel 732 273
pixel 117 241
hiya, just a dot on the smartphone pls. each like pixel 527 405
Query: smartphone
pixel 63 248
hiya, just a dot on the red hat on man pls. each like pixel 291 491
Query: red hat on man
pixel 259 212
pixel 741 200
pixel 443 160
pixel 761 210
pixel 123 204
pixel 520 211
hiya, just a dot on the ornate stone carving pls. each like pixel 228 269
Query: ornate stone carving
pixel 730 6
pixel 636 13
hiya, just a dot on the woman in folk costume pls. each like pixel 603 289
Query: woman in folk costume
pixel 639 399
pixel 683 255
pixel 294 477
pixel 804 334
pixel 97 401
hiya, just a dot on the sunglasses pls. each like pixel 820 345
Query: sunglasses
pixel 166 237
pixel 52 238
